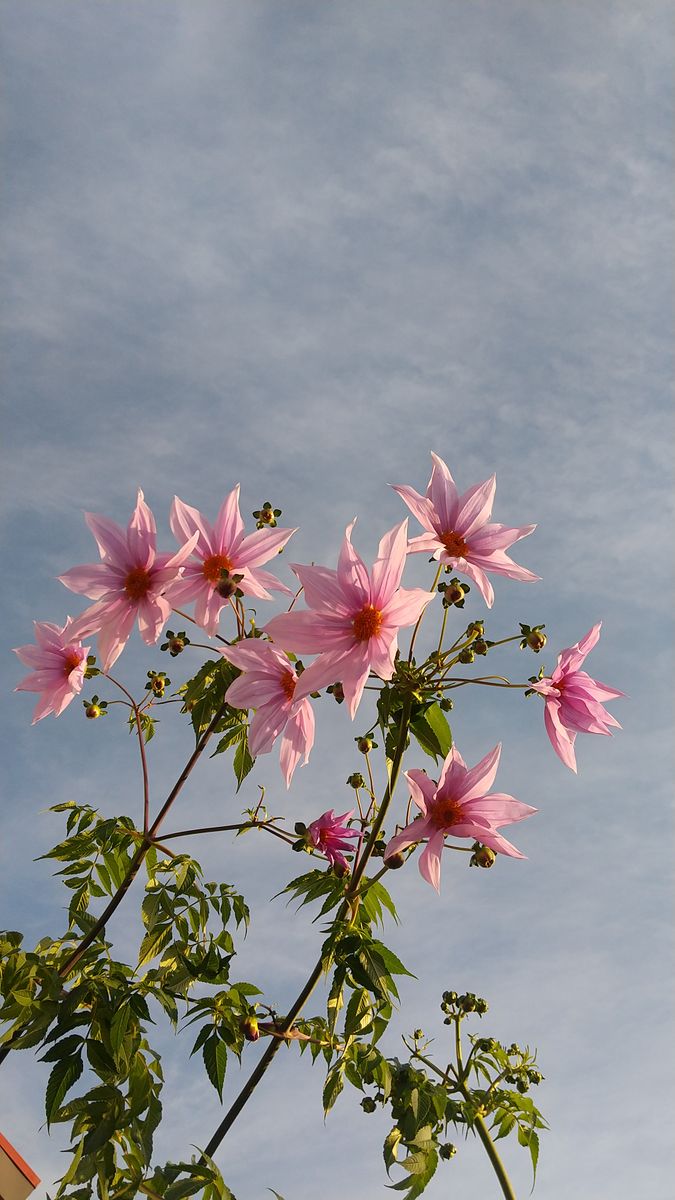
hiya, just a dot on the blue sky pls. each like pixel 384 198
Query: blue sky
pixel 298 246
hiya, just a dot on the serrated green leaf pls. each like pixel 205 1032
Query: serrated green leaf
pixel 242 762
pixel 359 1013
pixel 154 942
pixel 214 1053
pixel 332 1088
pixel 118 1027
pixel 391 1144
pixel 65 1073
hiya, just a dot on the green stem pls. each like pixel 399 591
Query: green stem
pixel 480 1125
pixel 141 746
pixel 420 618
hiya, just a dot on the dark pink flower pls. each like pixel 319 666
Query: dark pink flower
pixel 129 583
pixel 459 805
pixel 458 533
pixel 354 616
pixel 270 685
pixel 574 700
pixel 219 547
pixel 59 661
pixel 329 834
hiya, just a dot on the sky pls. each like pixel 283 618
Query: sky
pixel 298 246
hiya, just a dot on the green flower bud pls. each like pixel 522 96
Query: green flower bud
pixel 368 1104
pixel 356 780
pixel 480 646
pixel 92 711
pixel 395 861
pixel 337 692
pixel 379 848
pixel 446 704
pixel 418 1034
pixel 467 655
pixel 482 856
pixel 447 1151
pixel 364 744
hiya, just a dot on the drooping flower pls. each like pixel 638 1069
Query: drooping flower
pixel 573 700
pixel 329 835
pixel 458 530
pixel 128 584
pixel 59 661
pixel 460 805
pixel 223 547
pixel 270 685
pixel 354 616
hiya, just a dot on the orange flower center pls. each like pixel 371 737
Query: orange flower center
pixel 454 544
pixel 137 583
pixel 446 812
pixel 367 623
pixel 213 565
pixel 288 682
pixel 70 662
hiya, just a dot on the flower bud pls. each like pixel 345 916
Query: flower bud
pixel 379 848
pixel 368 1104
pixel 480 646
pixel 228 585
pixel 482 856
pixel 300 827
pixel 450 997
pixel 249 1028
pixel 356 780
pixel 446 704
pixel 395 861
pixel 341 869
pixel 92 711
pixel 364 744
pixel 467 655
pixel 447 1151
pixel 454 593
pixel 337 692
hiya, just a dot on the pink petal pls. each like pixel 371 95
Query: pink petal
pixel 114 635
pixel 500 845
pixel 324 670
pixel 413 833
pixel 498 808
pixel 561 739
pixel 430 860
pixel 477 575
pixel 497 537
pixel 474 508
pixel 266 726
pixel 422 788
pixel 185 521
pixel 405 607
pixel 425 543
pixel 111 539
pixel 355 669
pixel 352 574
pixel 94 580
pixel 153 613
pixel 142 534
pixel 443 494
pixel 419 506
pixel 310 632
pixel 229 525
pixel 260 547
pixel 297 741
pixel 382 650
pixel 479 779
pixel 258 583
pixel 388 566
pixel 321 588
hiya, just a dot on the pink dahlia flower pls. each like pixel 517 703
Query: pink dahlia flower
pixel 270 685
pixel 574 700
pixel 354 616
pixel 219 547
pixel 458 529
pixel 129 583
pixel 460 805
pixel 59 661
pixel 329 835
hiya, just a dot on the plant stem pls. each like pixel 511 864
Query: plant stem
pixel 141 746
pixel 419 619
pixel 480 1125
pixel 344 911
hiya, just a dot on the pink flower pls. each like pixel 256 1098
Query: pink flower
pixel 59 661
pixel 129 582
pixel 353 616
pixel 573 700
pixel 270 685
pixel 458 531
pixel 328 834
pixel 223 547
pixel 459 805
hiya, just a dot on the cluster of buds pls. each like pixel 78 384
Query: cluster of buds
pixel 94 708
pixel 453 592
pixel 532 637
pixel 482 856
pixel 459 1005
pixel 157 683
pixel 175 642
pixel 266 517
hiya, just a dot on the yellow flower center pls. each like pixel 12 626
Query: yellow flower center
pixel 137 583
pixel 367 623
pixel 213 565
pixel 288 682
pixel 446 812
pixel 454 544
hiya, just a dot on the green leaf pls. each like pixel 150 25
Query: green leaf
pixel 432 732
pixel 66 1072
pixel 214 1053
pixel 153 943
pixel 359 1013
pixel 332 1088
pixel 118 1027
pixel 242 763
pixel 391 1145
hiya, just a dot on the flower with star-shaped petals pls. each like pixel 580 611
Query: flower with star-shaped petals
pixel 354 615
pixel 129 583
pixel 223 547
pixel 460 805
pixel 574 700
pixel 329 835
pixel 58 661
pixel 458 530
